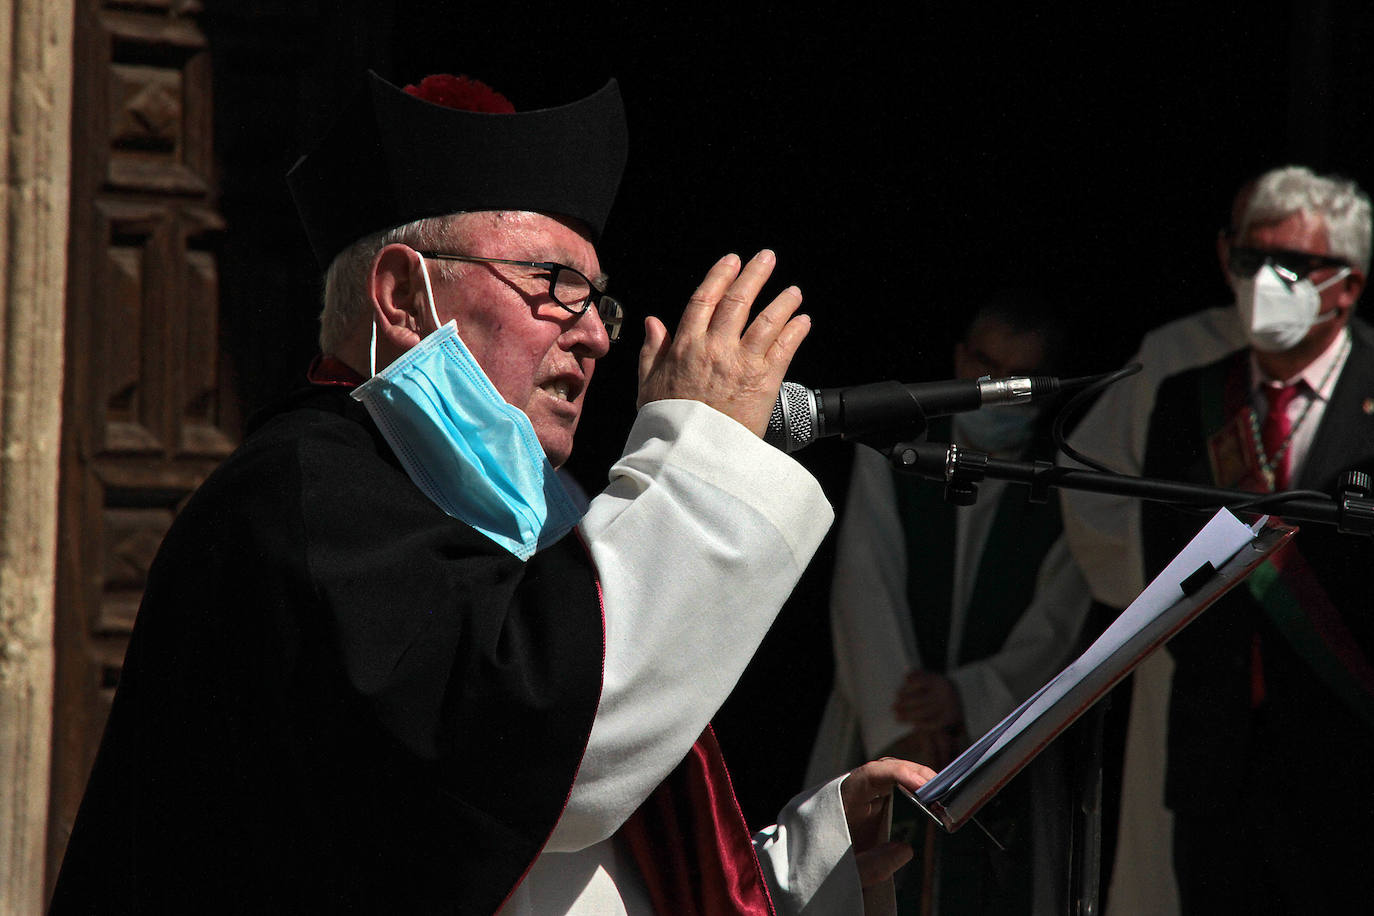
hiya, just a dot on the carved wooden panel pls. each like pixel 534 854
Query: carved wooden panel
pixel 158 93
pixel 202 383
pixel 125 327
pixel 147 410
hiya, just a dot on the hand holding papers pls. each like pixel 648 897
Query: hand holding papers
pixel 1221 555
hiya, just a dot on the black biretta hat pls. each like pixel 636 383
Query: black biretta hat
pixel 391 158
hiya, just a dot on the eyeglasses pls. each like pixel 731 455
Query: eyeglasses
pixel 1245 262
pixel 568 286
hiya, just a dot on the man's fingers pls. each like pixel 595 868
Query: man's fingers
pixel 656 341
pixel 696 318
pixel 769 326
pixel 732 311
pixel 924 715
pixel 909 691
pixel 921 720
pixel 874 780
pixel 788 342
pixel 918 700
pixel 711 358
pixel 909 708
pixel 920 679
pixel 881 862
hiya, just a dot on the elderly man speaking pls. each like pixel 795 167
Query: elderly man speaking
pixel 384 664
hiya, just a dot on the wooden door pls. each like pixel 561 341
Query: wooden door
pixel 147 408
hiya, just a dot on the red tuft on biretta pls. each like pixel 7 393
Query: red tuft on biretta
pixel 461 92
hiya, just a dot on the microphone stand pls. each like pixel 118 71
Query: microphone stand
pixel 1351 510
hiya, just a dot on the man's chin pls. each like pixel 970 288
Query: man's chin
pixel 555 423
pixel 557 445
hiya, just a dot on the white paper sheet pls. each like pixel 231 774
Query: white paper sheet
pixel 1217 542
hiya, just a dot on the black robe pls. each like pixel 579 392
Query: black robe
pixel 336 697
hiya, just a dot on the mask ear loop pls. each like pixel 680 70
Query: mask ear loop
pixel 1340 275
pixel 429 292
pixel 433 313
pixel 1334 279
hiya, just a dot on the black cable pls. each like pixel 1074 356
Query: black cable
pixel 1075 403
pixel 1263 502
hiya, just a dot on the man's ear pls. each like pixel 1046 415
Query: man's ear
pixel 1353 286
pixel 400 303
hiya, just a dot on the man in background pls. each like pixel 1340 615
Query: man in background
pixel 1271 686
pixel 946 617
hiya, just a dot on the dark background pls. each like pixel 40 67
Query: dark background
pixel 902 164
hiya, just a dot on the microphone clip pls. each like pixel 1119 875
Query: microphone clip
pixel 963 471
pixel 960 469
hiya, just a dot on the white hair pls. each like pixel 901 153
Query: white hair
pixel 346 302
pixel 1343 207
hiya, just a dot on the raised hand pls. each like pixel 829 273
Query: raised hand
pixel 714 358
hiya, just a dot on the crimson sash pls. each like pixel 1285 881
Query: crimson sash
pixel 692 845
pixel 1286 587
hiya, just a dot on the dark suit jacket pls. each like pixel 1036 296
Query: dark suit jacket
pixel 1303 748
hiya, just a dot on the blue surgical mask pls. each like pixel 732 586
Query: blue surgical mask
pixel 997 430
pixel 474 455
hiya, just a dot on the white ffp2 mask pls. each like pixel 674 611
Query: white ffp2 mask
pixel 1276 313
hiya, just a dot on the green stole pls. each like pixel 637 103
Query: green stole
pixel 1021 534
pixel 1285 587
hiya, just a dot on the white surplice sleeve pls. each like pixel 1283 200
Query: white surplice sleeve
pixel 1041 641
pixel 875 646
pixel 807 857
pixel 1104 530
pixel 698 540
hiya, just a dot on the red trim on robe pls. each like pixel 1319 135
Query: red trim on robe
pixel 330 370
pixel 692 845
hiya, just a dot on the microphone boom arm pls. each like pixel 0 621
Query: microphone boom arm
pixel 1351 510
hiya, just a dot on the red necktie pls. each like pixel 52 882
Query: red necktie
pixel 1274 437
pixel 1274 433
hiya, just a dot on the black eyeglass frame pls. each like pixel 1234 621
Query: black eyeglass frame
pixel 1297 264
pixel 608 308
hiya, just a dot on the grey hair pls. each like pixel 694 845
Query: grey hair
pixel 345 282
pixel 1343 207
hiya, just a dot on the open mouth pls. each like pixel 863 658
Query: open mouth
pixel 561 390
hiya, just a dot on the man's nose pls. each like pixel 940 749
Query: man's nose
pixel 588 334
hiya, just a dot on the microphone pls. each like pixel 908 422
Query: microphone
pixel 892 410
